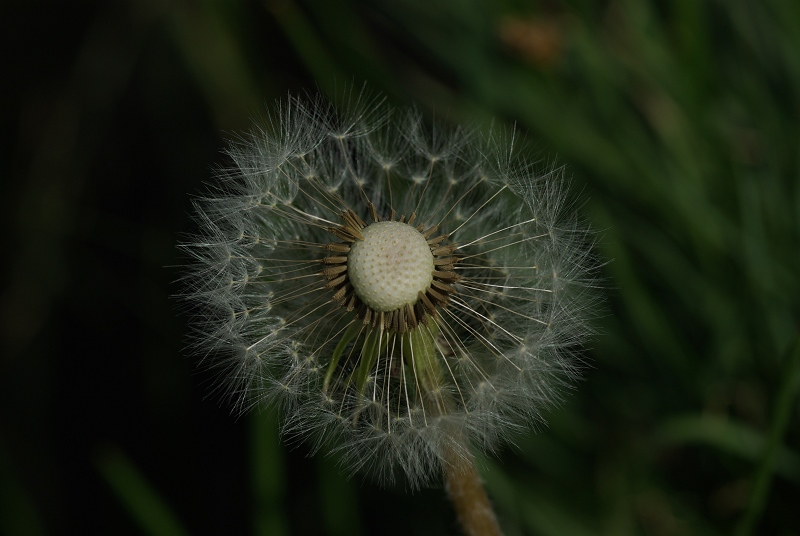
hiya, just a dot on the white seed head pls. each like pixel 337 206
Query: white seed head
pixel 395 289
pixel 391 266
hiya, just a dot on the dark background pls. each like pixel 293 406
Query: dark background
pixel 678 124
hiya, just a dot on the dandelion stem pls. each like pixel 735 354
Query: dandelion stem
pixel 462 481
pixel 463 484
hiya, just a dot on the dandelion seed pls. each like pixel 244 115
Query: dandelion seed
pixel 404 294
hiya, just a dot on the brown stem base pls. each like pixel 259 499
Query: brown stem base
pixel 463 485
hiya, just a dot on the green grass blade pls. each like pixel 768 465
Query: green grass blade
pixel 141 500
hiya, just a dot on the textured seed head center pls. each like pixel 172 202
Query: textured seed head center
pixel 390 266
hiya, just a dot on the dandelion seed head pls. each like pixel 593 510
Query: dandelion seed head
pixel 393 288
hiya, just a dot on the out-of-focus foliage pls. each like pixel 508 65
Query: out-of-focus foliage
pixel 678 121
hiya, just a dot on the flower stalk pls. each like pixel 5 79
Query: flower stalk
pixel 461 478
pixel 466 492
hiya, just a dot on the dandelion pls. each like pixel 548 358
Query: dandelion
pixel 403 293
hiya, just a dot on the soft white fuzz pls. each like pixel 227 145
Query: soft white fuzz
pixel 311 256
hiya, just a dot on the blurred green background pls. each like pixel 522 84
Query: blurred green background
pixel 678 123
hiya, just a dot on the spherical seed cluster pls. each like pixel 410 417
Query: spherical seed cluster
pixel 460 332
pixel 390 266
